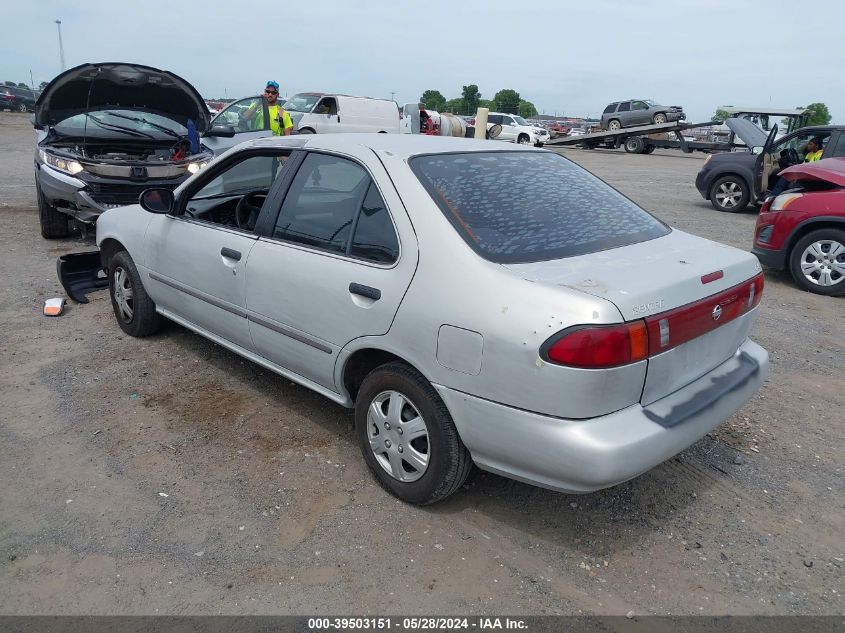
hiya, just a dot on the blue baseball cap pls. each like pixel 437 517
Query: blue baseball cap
pixel 272 84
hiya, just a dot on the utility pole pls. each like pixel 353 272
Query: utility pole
pixel 31 80
pixel 391 96
pixel 61 47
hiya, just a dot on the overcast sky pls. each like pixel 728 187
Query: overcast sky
pixel 568 58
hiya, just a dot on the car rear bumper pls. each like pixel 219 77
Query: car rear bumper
pixel 586 455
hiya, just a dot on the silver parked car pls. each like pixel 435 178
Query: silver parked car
pixel 639 112
pixel 475 302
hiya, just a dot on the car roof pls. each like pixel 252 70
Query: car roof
pixel 401 145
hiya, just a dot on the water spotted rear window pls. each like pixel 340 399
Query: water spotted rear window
pixel 514 207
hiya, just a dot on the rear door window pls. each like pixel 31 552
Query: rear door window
pixel 625 107
pixel 334 205
pixel 515 207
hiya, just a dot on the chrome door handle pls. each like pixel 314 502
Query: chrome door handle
pixel 365 291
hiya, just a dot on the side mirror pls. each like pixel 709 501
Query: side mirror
pixel 221 130
pixel 157 200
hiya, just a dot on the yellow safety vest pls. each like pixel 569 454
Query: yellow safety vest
pixel 275 128
pixel 812 157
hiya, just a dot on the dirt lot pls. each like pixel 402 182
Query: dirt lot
pixel 167 475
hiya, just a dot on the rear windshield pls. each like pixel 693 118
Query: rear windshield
pixel 515 207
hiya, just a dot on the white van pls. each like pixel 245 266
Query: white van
pixel 322 113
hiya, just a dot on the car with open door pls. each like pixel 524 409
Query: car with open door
pixel 106 132
pixel 733 180
pixel 803 229
pixel 475 303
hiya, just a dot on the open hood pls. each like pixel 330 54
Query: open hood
pixel 830 170
pixel 118 85
pixel 748 133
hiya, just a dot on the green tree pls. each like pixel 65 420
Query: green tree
pixel 819 114
pixel 9 83
pixel 486 103
pixel 43 85
pixel 507 100
pixel 720 115
pixel 22 85
pixel 433 100
pixel 471 98
pixel 527 109
pixel 455 106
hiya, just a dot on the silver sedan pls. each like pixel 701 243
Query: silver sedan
pixel 475 302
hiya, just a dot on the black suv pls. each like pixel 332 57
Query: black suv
pixel 17 99
pixel 733 180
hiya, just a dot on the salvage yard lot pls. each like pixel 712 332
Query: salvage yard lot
pixel 168 475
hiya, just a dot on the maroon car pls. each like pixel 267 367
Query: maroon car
pixel 803 229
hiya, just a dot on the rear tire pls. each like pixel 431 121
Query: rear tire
pixel 306 131
pixel 649 149
pixel 614 124
pixel 437 461
pixel 54 223
pixel 634 145
pixel 817 262
pixel 729 194
pixel 134 310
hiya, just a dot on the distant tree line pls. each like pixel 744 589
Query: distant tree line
pixel 21 84
pixel 506 100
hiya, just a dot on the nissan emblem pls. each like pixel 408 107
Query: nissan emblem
pixel 717 312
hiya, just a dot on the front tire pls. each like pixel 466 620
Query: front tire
pixel 659 118
pixel 134 310
pixel 54 223
pixel 407 436
pixel 730 194
pixel 523 139
pixel 817 262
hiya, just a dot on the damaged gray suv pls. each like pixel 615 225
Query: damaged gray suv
pixel 106 132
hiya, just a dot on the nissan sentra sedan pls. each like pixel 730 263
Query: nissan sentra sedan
pixel 475 302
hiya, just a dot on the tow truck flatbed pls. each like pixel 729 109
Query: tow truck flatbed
pixel 636 140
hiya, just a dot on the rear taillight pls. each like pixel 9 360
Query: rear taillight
pixel 598 346
pixel 604 346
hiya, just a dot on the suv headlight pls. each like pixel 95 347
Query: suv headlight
pixel 784 200
pixel 68 166
pixel 195 167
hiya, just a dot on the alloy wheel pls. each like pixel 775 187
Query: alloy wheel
pixel 823 263
pixel 729 195
pixel 124 294
pixel 398 436
pixel 614 125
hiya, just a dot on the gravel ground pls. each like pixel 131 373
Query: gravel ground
pixel 167 475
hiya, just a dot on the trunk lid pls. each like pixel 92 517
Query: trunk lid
pixel 124 86
pixel 677 283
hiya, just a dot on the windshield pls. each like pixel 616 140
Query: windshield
pixel 520 120
pixel 516 207
pixel 651 103
pixel 121 122
pixel 301 103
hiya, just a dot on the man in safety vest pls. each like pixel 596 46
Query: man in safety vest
pixel 280 122
pixel 812 153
